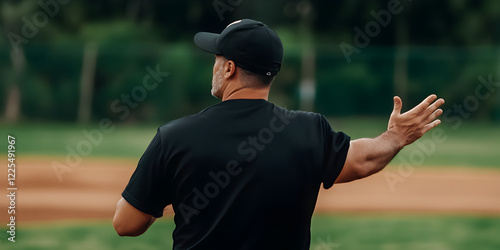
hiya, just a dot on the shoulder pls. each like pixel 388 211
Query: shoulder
pixel 299 115
pixel 181 124
pixel 187 123
pixel 189 126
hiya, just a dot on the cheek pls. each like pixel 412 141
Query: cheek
pixel 216 66
pixel 217 69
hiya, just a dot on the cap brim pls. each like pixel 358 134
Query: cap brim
pixel 207 42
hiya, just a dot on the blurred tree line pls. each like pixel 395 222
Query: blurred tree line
pixel 76 60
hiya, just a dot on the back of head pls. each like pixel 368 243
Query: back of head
pixel 251 45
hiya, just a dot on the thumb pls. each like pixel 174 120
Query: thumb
pixel 397 105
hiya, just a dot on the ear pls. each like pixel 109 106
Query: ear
pixel 229 69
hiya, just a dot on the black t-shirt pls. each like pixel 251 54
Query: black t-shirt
pixel 242 174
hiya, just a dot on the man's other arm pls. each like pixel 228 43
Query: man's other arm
pixel 129 221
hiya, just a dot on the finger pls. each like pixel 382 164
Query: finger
pixel 423 105
pixel 431 125
pixel 434 115
pixel 435 105
pixel 398 103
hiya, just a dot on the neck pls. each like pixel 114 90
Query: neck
pixel 245 93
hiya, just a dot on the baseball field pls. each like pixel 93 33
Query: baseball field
pixel 440 193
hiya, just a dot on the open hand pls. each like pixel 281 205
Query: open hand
pixel 414 123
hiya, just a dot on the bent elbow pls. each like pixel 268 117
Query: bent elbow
pixel 124 230
pixel 121 233
pixel 120 230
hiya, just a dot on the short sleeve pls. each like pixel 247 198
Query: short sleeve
pixel 149 188
pixel 335 146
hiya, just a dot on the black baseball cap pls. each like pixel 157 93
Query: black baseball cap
pixel 250 44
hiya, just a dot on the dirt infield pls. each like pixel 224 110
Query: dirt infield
pixel 92 189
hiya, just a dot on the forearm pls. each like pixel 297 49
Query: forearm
pixel 376 153
pixel 368 156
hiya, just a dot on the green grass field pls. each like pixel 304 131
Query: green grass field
pixel 470 145
pixel 343 232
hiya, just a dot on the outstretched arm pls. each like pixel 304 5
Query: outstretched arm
pixel 367 156
pixel 129 221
